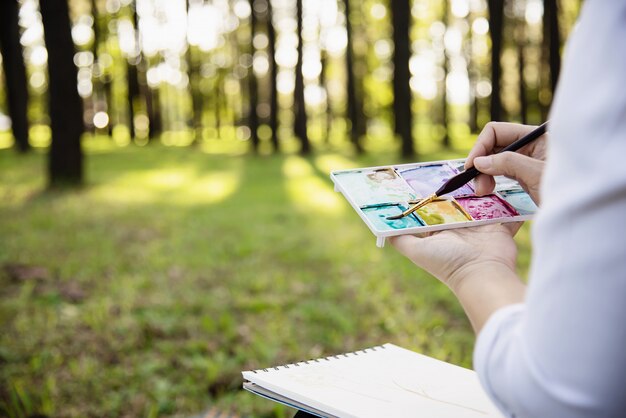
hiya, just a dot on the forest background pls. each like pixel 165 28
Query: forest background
pixel 166 216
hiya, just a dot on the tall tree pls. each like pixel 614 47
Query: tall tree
pixel 271 38
pixel 102 83
pixel 151 96
pixel 551 45
pixel 132 76
pixel 15 72
pixel 473 75
pixel 444 89
pixel 197 99
pixel 521 68
pixel 218 88
pixel 401 15
pixel 93 104
pixel 324 83
pixel 300 122
pixel 355 106
pixel 108 95
pixel 253 89
pixel 66 116
pixel 496 21
pixel 132 93
pixel 551 23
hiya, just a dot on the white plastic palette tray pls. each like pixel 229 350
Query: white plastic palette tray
pixel 378 192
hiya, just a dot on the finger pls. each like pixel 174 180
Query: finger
pixel 484 184
pixel 405 244
pixel 513 165
pixel 496 135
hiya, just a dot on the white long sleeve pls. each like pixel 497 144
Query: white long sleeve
pixel 563 352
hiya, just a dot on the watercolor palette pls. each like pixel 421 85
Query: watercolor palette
pixel 379 192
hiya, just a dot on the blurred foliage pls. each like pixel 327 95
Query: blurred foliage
pixel 206 55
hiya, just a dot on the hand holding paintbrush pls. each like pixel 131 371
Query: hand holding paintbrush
pixel 470 173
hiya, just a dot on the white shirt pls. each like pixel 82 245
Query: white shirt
pixel 563 352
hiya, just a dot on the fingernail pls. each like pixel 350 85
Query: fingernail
pixel 482 163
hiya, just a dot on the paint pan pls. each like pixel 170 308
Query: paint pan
pixel 487 207
pixel 520 200
pixel 442 212
pixel 378 216
pixel 372 187
pixel 425 179
pixel 505 183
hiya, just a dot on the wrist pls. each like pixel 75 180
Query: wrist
pixel 484 287
pixel 479 271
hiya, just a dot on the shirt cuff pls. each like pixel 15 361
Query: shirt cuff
pixel 502 321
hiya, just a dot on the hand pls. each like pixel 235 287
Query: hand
pixel 525 165
pixel 455 254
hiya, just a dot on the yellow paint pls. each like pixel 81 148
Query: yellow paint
pixel 442 212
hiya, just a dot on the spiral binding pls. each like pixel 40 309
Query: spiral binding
pixel 319 360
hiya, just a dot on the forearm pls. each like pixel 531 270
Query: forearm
pixel 483 288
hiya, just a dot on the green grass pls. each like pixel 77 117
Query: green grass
pixel 175 269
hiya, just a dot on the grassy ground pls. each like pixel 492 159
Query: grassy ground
pixel 149 290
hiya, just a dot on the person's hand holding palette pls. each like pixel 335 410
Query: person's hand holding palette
pixel 377 193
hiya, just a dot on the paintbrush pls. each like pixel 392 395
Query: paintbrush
pixel 464 177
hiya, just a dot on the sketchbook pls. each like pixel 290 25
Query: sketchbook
pixel 383 381
pixel 378 192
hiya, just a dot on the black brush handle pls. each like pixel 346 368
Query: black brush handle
pixel 457 181
pixel 463 178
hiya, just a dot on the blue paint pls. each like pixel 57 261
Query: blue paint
pixel 378 216
pixel 520 200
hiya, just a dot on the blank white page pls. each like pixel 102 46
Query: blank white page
pixel 380 381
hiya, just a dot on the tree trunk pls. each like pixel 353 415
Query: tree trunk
pixel 132 74
pixel 66 117
pixel 496 19
pixel 401 15
pixel 355 106
pixel 324 83
pixel 253 90
pixel 150 96
pixel 473 75
pixel 551 17
pixel 217 102
pixel 550 49
pixel 108 94
pixel 444 91
pixel 197 98
pixel 521 67
pixel 15 72
pixel 133 92
pixel 271 36
pixel 300 122
pixel 153 109
pixel 102 84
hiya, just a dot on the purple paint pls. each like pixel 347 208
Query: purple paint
pixel 426 179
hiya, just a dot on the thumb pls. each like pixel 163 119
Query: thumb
pixel 520 167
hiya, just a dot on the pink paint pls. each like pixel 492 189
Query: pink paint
pixel 487 207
